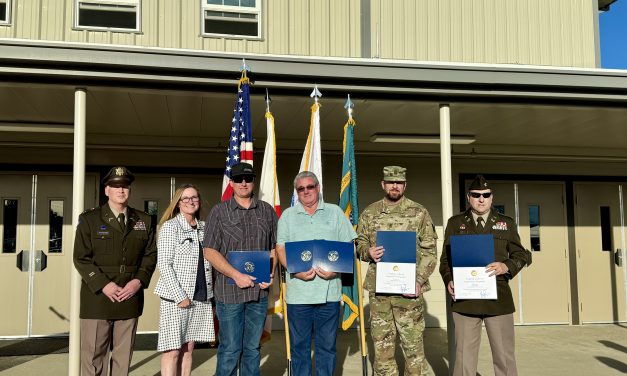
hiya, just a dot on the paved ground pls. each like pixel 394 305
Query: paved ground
pixel 540 350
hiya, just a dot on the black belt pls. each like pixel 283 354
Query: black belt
pixel 120 269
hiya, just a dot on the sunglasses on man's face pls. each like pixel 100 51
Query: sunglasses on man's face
pixel 477 194
pixel 307 187
pixel 243 178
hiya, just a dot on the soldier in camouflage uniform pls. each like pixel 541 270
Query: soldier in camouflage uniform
pixel 404 314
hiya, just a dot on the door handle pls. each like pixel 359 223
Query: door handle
pixel 618 258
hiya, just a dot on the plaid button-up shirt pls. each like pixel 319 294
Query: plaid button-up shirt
pixel 231 227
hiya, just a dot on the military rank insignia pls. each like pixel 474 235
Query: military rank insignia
pixel 140 226
pixel 462 226
pixel 500 226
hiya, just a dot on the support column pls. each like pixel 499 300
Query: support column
pixel 447 211
pixel 78 205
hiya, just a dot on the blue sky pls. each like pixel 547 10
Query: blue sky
pixel 613 25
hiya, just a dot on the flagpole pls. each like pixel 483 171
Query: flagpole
pixel 360 298
pixel 362 324
pixel 288 353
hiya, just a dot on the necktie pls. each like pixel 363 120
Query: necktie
pixel 121 222
pixel 480 223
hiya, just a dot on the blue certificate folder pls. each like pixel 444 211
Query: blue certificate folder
pixel 472 250
pixel 254 263
pixel 400 246
pixel 331 256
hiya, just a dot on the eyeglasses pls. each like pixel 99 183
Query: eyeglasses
pixel 477 194
pixel 307 187
pixel 243 178
pixel 187 200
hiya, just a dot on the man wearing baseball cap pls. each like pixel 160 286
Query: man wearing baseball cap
pixel 242 223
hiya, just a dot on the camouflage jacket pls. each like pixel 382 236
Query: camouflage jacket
pixel 407 215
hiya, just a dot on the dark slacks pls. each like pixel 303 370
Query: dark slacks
pixel 107 343
pixel 500 331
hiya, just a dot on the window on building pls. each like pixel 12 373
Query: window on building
pixel 239 18
pixel 55 227
pixel 119 15
pixel 9 225
pixel 151 207
pixel 534 227
pixel 5 12
pixel 606 228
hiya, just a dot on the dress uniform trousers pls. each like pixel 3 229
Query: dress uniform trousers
pixel 107 344
pixel 500 331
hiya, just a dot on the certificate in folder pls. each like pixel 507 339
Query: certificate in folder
pixel 396 271
pixel 253 263
pixel 331 256
pixel 470 254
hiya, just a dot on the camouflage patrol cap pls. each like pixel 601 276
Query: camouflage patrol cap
pixel 394 173
pixel 479 184
pixel 118 177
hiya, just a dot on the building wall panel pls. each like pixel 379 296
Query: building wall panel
pixel 277 12
pixel 149 34
pixel 53 19
pixel 27 19
pixel 559 33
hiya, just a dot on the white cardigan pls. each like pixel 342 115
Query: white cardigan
pixel 178 247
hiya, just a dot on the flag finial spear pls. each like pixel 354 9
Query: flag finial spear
pixel 349 107
pixel 268 100
pixel 315 94
pixel 244 68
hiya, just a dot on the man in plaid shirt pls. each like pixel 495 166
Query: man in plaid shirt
pixel 242 223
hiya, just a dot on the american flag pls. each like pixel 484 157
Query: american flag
pixel 241 136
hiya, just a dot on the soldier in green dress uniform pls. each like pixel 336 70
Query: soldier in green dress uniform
pixel 115 254
pixel 496 314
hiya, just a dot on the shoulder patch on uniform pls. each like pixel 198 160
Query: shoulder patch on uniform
pixel 462 226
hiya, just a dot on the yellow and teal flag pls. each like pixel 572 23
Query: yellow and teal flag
pixel 348 203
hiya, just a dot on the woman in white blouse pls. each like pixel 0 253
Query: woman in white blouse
pixel 185 285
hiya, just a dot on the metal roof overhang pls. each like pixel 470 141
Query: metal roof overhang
pixel 527 110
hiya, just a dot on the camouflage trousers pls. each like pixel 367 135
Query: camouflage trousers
pixel 390 315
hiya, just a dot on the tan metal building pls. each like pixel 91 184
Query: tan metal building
pixel 449 88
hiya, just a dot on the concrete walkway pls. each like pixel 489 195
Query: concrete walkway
pixel 540 350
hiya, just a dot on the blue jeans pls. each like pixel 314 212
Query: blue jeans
pixel 241 326
pixel 321 320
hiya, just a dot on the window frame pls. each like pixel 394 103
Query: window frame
pixel 7 21
pixel 257 10
pixel 134 3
